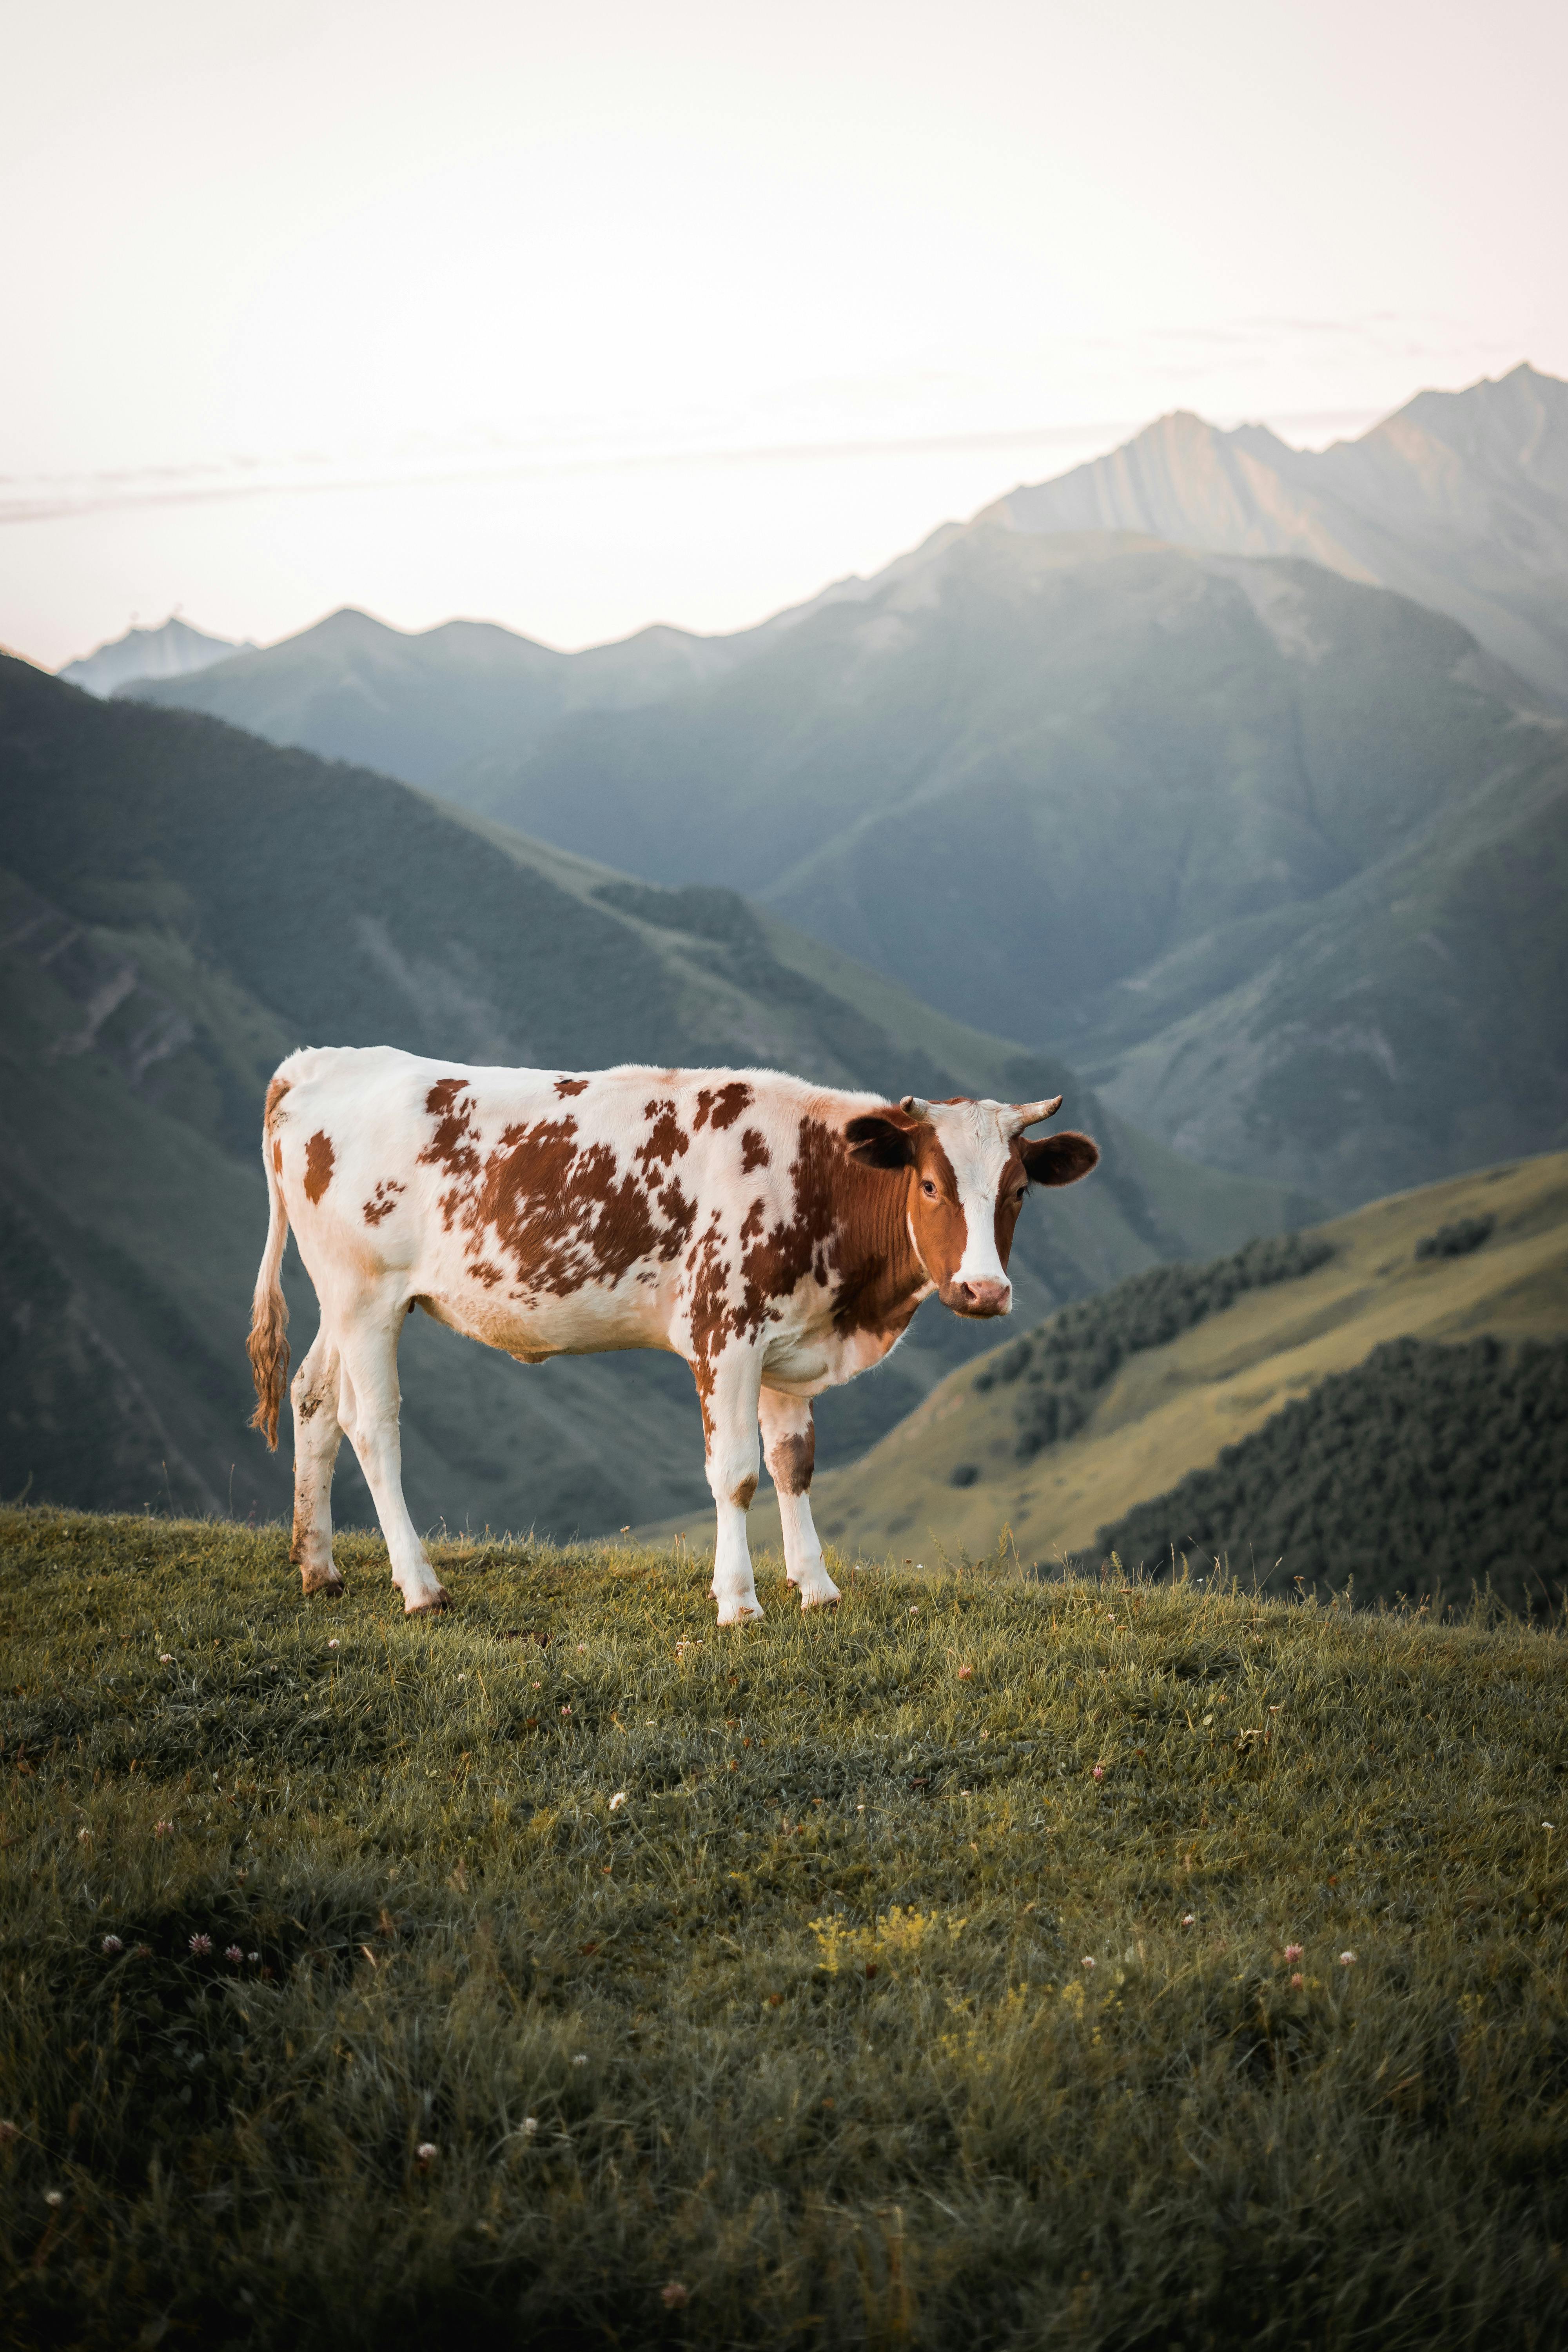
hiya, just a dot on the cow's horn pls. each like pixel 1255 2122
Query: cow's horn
pixel 1028 1114
pixel 913 1107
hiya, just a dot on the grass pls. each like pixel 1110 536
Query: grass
pixel 798 2043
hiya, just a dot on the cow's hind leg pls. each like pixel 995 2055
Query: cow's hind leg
pixel 368 1401
pixel 789 1446
pixel 728 1393
pixel 318 1434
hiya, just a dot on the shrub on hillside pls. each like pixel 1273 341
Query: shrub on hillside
pixel 1427 1468
pixel 1067 1361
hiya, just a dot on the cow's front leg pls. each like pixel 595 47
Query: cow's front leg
pixel 789 1444
pixel 728 1389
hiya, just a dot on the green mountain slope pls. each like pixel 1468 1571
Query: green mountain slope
pixel 1428 1469
pixel 181 904
pixel 1060 1433
pixel 1272 854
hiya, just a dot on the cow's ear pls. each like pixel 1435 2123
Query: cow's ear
pixel 880 1139
pixel 1059 1159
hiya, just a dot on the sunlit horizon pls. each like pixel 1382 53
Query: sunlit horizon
pixel 582 324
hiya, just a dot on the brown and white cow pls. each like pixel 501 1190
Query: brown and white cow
pixel 777 1236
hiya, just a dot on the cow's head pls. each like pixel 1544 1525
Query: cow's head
pixel 968 1167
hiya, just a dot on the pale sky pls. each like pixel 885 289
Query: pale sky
pixel 579 318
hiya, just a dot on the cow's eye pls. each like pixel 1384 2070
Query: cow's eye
pixel 928 1188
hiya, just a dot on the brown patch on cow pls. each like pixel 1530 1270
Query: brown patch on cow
pixel 483 1271
pixel 318 1164
pixel 385 1200
pixel 570 1086
pixel 558 1211
pixel 792 1460
pixel 277 1155
pixel 723 1105
pixel 276 1089
pixel 668 1140
pixel 756 1216
pixel 743 1493
pixel 754 1153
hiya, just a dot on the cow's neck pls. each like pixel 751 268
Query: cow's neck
pixel 881 1279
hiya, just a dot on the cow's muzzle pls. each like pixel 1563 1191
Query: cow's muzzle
pixel 979 1298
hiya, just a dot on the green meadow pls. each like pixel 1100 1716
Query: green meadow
pixel 563 1972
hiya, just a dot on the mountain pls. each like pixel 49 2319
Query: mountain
pixel 1282 859
pixel 1458 500
pixel 1176 1367
pixel 438 707
pixel 181 904
pixel 175 651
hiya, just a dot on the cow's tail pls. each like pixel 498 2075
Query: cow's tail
pixel 268 1346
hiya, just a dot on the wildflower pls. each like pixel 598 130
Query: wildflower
pixel 83 1836
pixel 1189 1919
pixel 538 1685
pixel 1297 1981
pixel 914 1609
pixel 232 1955
pixel 1347 1959
pixel 618 1798
pixel 255 1959
pixel 675 2295
pixel 581 2059
pixel 531 2123
pixel 201 1946
pixel 166 1657
pixel 582 1649
pixel 1086 1962
pixel 54 2197
pixel 964 1673
pixel 462 1678
pixel 565 1710
pixel 142 1952
pixel 424 2155
pixel 333 1644
pixel 113 1943
pixel 1549 1825
pixel 1293 1951
pixel 1099 1771
pixel 163 1829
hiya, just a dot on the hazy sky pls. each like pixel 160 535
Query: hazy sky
pixel 582 317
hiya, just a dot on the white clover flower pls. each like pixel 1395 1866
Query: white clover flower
pixel 531 2123
pixel 618 1798
pixel 166 1657
pixel 424 2155
pixel 201 1946
pixel 1347 1959
pixel 232 1955
pixel 581 2059
pixel 113 1943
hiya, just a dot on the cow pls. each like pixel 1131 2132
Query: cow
pixel 777 1236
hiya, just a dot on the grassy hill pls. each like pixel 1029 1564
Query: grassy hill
pixel 1091 1965
pixel 181 904
pixel 972 1459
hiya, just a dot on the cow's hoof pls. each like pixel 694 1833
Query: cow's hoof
pixel 820 1600
pixel 320 1580
pixel 426 1604
pixel 739 1613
